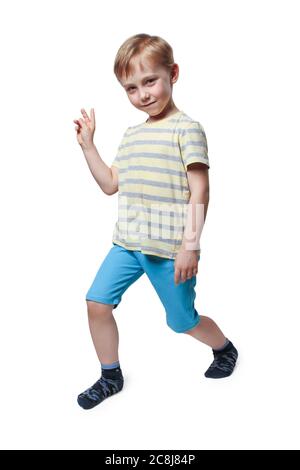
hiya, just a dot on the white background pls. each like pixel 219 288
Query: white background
pixel 239 77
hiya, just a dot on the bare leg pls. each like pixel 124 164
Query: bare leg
pixel 104 331
pixel 208 332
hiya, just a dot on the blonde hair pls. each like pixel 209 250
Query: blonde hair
pixel 153 48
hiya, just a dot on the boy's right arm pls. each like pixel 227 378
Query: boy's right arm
pixel 107 178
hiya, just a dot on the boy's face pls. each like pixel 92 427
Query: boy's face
pixel 149 89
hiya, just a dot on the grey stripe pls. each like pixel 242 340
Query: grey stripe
pixel 194 129
pixel 193 142
pixel 151 130
pixel 161 184
pixel 153 169
pixel 150 248
pixel 168 143
pixel 196 154
pixel 152 198
pixel 170 130
pixel 140 129
pixel 146 236
pixel 152 224
pixel 159 156
pixel 157 250
pixel 150 209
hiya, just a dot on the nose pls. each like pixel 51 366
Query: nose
pixel 145 97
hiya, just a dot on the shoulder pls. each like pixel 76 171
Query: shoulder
pixel 188 123
pixel 126 133
pixel 190 129
pixel 131 130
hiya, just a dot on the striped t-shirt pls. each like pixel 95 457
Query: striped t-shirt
pixel 153 197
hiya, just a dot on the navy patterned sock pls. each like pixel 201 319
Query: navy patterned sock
pixel 223 363
pixel 110 382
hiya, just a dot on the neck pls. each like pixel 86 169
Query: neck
pixel 167 111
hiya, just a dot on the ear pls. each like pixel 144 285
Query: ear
pixel 174 73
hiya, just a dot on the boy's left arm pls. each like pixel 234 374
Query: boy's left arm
pixel 186 262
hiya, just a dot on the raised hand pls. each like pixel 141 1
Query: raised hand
pixel 85 129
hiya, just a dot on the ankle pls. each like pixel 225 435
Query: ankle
pixel 222 346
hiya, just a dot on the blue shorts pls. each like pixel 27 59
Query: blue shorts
pixel 121 268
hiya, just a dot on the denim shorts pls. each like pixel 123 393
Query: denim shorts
pixel 121 268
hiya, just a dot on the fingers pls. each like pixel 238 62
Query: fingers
pixel 184 275
pixel 191 273
pixel 85 115
pixel 78 125
pixel 181 275
pixel 80 122
pixel 177 276
pixel 93 116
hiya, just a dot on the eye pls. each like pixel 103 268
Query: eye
pixel 149 80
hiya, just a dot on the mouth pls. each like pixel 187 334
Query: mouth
pixel 145 106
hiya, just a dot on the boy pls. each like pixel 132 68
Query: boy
pixel 161 173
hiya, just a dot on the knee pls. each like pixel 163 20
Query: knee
pixel 96 309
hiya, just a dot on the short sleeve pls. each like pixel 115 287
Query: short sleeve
pixel 120 151
pixel 193 144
